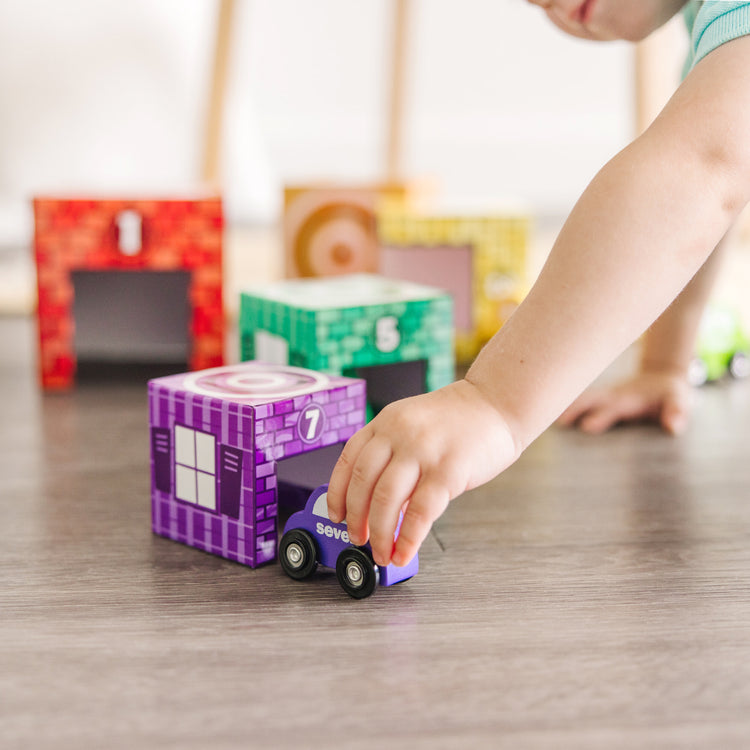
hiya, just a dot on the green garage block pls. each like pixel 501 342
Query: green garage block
pixel 395 334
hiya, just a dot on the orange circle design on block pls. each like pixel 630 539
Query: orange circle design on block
pixel 336 239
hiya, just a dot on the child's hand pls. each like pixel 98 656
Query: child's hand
pixel 662 397
pixel 416 456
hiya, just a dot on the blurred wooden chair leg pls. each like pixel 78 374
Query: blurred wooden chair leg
pixel 211 166
pixel 394 153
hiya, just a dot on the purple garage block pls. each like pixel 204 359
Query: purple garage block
pixel 216 438
pixel 310 537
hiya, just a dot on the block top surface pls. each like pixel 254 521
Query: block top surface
pixel 253 383
pixel 196 194
pixel 343 292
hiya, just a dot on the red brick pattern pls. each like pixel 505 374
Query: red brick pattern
pixel 79 234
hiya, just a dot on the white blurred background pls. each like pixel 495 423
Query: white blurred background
pixel 105 97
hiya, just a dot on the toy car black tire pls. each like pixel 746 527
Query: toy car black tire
pixel 357 573
pixel 298 554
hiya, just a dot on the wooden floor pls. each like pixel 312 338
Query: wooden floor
pixel 597 595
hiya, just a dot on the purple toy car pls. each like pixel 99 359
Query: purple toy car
pixel 310 537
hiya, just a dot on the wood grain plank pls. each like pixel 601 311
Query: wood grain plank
pixel 595 595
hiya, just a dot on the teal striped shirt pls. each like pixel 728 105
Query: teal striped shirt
pixel 712 23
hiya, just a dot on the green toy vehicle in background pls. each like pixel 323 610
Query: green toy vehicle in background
pixel 723 347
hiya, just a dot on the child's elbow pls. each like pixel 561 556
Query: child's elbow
pixel 714 157
pixel 727 166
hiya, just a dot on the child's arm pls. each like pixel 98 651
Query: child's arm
pixel 641 230
pixel 659 391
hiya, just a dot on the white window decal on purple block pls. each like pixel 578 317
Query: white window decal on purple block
pixel 195 467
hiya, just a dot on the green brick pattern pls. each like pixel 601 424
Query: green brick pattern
pixel 336 339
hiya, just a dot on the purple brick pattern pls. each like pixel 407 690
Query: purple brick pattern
pixel 258 414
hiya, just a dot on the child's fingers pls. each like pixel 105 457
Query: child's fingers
pixel 342 472
pixel 676 412
pixel 623 407
pixel 429 500
pixel 394 487
pixel 365 472
pixel 600 420
pixel 577 409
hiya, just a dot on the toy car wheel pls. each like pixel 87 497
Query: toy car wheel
pixel 297 554
pixel 357 573
pixel 697 373
pixel 739 365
